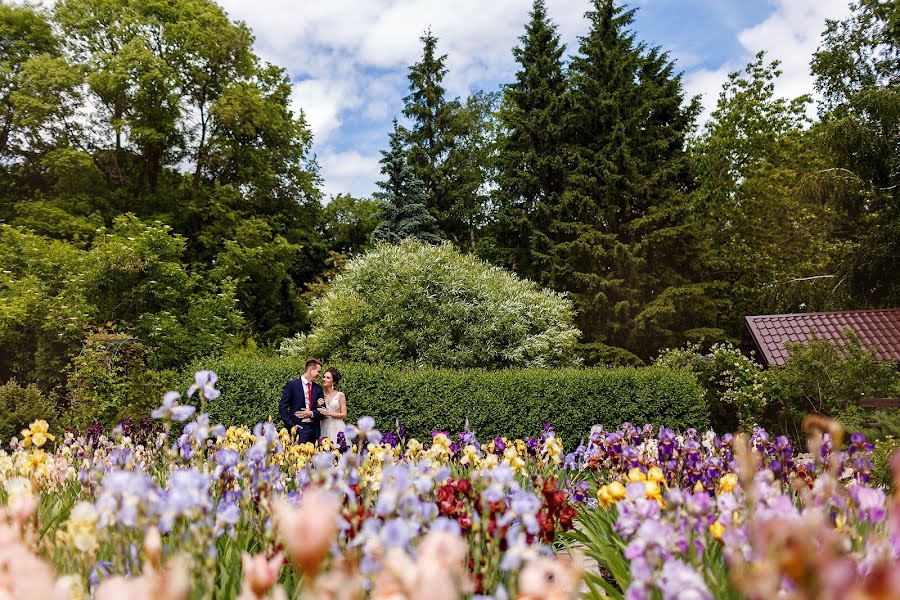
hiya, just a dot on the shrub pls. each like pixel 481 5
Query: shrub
pixel 514 403
pixel 111 380
pixel 132 279
pixel 733 384
pixel 19 406
pixel 882 472
pixel 430 305
pixel 824 378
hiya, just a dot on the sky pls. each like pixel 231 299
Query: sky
pixel 348 59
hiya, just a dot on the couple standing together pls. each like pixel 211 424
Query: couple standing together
pixel 316 411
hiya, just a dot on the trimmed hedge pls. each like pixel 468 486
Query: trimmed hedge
pixel 515 403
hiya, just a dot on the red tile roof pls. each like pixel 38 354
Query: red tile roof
pixel 878 329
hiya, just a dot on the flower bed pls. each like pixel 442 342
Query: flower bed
pixel 183 508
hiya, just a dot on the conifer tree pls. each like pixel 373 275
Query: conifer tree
pixel 618 232
pixel 435 125
pixel 402 198
pixel 530 165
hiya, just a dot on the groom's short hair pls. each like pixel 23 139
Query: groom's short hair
pixel 310 362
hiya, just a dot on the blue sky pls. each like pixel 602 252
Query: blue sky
pixel 348 58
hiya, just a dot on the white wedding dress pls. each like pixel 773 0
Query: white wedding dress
pixel 331 427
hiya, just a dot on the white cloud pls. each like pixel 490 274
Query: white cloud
pixel 706 83
pixel 349 58
pixel 349 173
pixel 322 101
pixel 790 34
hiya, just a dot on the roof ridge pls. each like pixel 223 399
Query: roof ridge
pixel 826 312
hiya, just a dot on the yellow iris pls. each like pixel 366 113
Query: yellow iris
pixel 727 483
pixel 617 490
pixel 413 448
pixel 37 458
pixel 517 464
pixel 840 521
pixel 717 530
pixel 442 441
pixel 635 474
pixel 37 434
pixel 603 496
pixel 490 461
pixel 611 494
pixel 470 455
pixel 652 491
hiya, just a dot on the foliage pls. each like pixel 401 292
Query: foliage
pixel 619 241
pixel 20 405
pixel 820 377
pixel 37 85
pixel 430 305
pixel 600 542
pixel 190 134
pixel 826 378
pixel 470 170
pixel 733 384
pixel 589 180
pixel 510 402
pixel 402 198
pixel 41 315
pixel 769 233
pixel 113 378
pixel 348 223
pixel 530 165
pixel 882 457
pixel 856 70
pixel 132 279
pixel 430 137
pixel 449 147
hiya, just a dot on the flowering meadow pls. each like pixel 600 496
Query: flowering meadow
pixel 178 507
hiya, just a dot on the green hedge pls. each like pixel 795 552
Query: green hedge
pixel 515 403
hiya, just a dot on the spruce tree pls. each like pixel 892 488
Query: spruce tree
pixel 619 231
pixel 402 198
pixel 531 173
pixel 435 125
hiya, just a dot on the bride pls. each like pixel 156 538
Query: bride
pixel 335 410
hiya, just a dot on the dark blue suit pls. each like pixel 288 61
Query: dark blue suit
pixel 293 398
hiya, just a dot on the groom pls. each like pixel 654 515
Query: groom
pixel 298 407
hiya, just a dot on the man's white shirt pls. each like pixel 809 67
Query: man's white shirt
pixel 307 394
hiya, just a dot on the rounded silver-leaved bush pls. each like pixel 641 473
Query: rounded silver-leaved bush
pixel 431 305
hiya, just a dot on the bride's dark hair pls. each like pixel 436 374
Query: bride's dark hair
pixel 335 374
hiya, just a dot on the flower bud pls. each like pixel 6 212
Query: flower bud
pixel 549 579
pixel 260 574
pixel 308 529
pixel 153 547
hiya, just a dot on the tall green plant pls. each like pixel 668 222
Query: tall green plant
pixel 530 163
pixel 402 198
pixel 620 238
